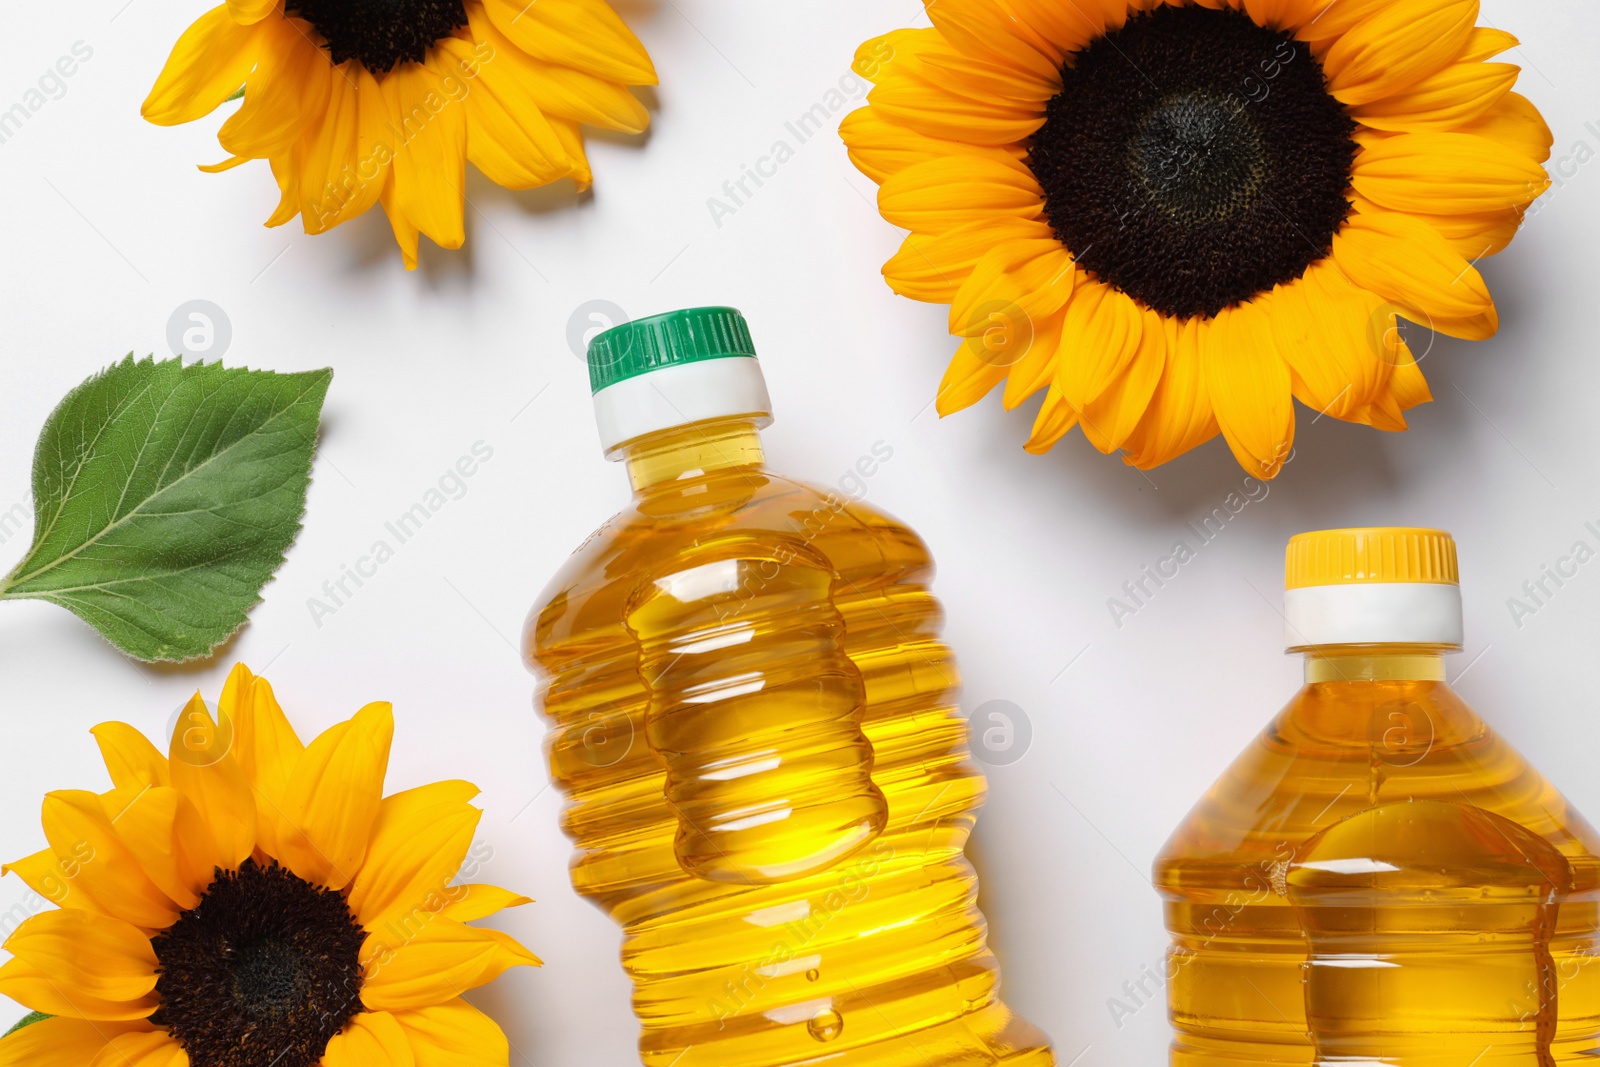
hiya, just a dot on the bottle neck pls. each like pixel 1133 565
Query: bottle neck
pixel 692 450
pixel 1375 663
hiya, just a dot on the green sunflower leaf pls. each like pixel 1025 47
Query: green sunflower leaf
pixel 165 497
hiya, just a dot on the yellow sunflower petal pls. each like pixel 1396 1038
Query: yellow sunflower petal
pixel 1486 41
pixel 84 952
pixel 572 141
pixel 879 148
pixel 266 748
pixel 39 990
pixel 585 34
pixel 983 28
pixel 1180 415
pixel 248 11
pixel 435 964
pixel 454 1034
pixel 1099 338
pixel 1322 20
pixel 941 194
pixel 469 902
pixel 875 57
pixel 1445 173
pixel 1406 383
pixel 933 268
pixel 344 158
pixel 1405 260
pixel 1070 26
pixel 1445 99
pixel 1516 125
pixel 1477 327
pixel 1110 418
pixel 968 379
pixel 79 830
pixel 142 1048
pixel 1249 385
pixel 372 1039
pixel 130 758
pixel 207 65
pixel 287 91
pixel 942 93
pixel 1397 45
pixel 1055 419
pixel 418 842
pixel 1478 235
pixel 44 873
pixel 333 798
pixel 1012 286
pixel 430 162
pixel 168 837
pixel 207 774
pixel 405 234
pixel 1037 366
pixel 509 137
pixel 286 171
pixel 58 1042
pixel 1325 332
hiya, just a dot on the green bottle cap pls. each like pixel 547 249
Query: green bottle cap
pixel 666 340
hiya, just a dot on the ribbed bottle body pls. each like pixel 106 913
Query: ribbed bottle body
pixel 753 720
pixel 1381 878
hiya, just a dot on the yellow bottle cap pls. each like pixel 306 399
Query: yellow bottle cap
pixel 1371 554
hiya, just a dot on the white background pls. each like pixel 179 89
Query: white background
pixel 109 228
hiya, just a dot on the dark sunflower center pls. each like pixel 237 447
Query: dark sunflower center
pixel 261 973
pixel 1194 159
pixel 381 33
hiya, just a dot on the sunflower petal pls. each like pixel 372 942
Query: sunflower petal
pixel 585 34
pixel 1403 259
pixel 1445 99
pixel 418 842
pixel 1396 46
pixel 968 378
pixel 405 234
pixel 45 874
pixel 1110 418
pixel 879 148
pixel 287 92
pixel 1516 125
pixel 1486 41
pixel 142 1048
pixel 436 963
pixel 1069 26
pixel 82 951
pixel 372 1039
pixel 941 194
pixel 510 134
pixel 1099 338
pixel 204 771
pixel 1037 365
pixel 58 1042
pixel 249 11
pixel 208 64
pixel 1012 286
pixel 131 760
pixel 1331 343
pixel 334 796
pixel 1055 419
pixel 39 990
pixel 453 1034
pixel 1478 235
pixel 344 158
pixel 1249 386
pixel 985 29
pixel 167 836
pixel 934 268
pixel 266 748
pixel 1445 173
pixel 1180 415
pixel 469 902
pixel 78 828
pixel 430 160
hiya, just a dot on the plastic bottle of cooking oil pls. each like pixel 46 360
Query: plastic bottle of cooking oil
pixel 1379 878
pixel 754 722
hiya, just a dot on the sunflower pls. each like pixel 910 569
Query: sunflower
pixel 250 901
pixel 358 102
pixel 1175 216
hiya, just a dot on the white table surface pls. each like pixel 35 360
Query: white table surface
pixel 110 228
